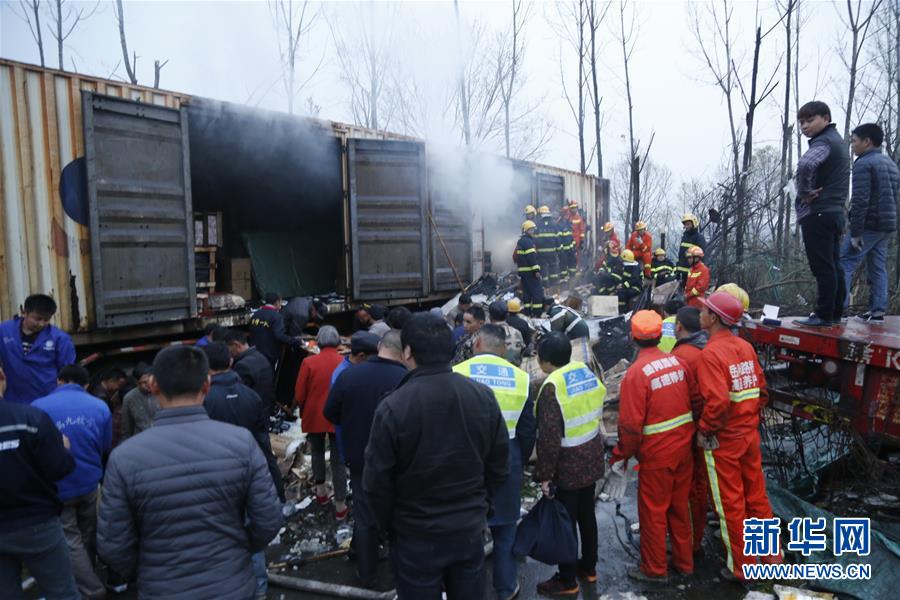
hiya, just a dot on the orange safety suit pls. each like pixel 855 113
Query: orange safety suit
pixel 656 425
pixel 604 249
pixel 642 246
pixel 696 284
pixel 699 496
pixel 733 387
pixel 578 227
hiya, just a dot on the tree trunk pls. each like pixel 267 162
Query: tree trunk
pixel 780 232
pixel 463 100
pixel 594 25
pixel 581 84
pixel 128 66
pixel 59 33
pixel 37 28
pixel 748 155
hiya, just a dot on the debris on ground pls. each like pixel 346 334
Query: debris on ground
pixel 784 592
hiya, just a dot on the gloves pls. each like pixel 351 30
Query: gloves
pixel 856 243
pixel 707 442
pixel 616 481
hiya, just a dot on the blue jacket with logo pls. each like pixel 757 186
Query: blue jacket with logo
pixel 33 375
pixel 87 422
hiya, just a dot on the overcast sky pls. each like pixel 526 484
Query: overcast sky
pixel 228 51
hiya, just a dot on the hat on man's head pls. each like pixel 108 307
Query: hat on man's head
pixel 363 341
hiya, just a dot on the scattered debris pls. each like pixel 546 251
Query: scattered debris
pixel 754 595
pixel 791 593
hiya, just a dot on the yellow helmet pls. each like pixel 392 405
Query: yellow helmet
pixel 528 225
pixel 695 251
pixel 640 225
pixel 659 252
pixel 514 305
pixel 738 292
pixel 573 204
pixel 608 226
pixel 627 255
pixel 544 210
pixel 692 218
pixel 529 210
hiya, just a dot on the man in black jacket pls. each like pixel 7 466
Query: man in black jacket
pixel 32 457
pixel 267 332
pixel 690 238
pixel 823 183
pixel 351 405
pixel 252 367
pixel 438 452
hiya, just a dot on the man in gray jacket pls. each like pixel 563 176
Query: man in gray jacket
pixel 873 217
pixel 187 502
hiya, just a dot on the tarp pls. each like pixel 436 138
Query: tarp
pixel 291 263
pixel 884 557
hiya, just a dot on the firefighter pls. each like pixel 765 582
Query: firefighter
pixel 566 319
pixel 530 212
pixel 609 273
pixel 656 425
pixel 529 270
pixel 567 266
pixel 697 279
pixel 662 269
pixel 632 281
pixel 547 242
pixel 578 226
pixel 641 243
pixel 690 237
pixel 731 383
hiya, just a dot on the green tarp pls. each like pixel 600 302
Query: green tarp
pixel 293 264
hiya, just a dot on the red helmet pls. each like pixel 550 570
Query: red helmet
pixel 726 306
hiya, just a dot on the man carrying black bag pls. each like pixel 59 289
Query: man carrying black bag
pixel 570 452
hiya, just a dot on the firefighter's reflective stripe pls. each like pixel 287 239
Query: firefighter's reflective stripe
pixel 747 394
pixel 669 424
pixel 682 268
pixel 509 384
pixel 529 269
pixel 720 510
pixel 687 244
pixel 580 396
pixel 522 252
pixel 697 274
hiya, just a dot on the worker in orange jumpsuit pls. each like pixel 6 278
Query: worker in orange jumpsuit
pixel 697 281
pixel 733 389
pixel 690 339
pixel 641 243
pixel 578 226
pixel 656 425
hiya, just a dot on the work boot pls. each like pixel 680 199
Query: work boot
pixel 555 586
pixel 814 320
pixel 727 575
pixel 871 318
pixel 589 575
pixel 639 575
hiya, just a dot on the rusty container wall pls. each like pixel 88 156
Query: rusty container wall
pixel 42 248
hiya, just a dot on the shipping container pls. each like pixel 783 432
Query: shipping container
pixel 101 183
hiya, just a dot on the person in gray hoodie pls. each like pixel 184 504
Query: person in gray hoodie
pixel 187 503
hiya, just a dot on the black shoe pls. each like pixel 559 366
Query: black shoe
pixel 639 575
pixel 555 586
pixel 871 318
pixel 814 321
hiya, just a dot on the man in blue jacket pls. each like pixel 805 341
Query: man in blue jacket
pixel 32 457
pixel 32 351
pixel 873 217
pixel 87 422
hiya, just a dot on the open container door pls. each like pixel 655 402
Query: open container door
pixel 388 219
pixel 139 196
pixel 451 238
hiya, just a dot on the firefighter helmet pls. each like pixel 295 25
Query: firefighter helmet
pixel 646 325
pixel 640 226
pixel 528 225
pixel 573 204
pixel 627 255
pixel 736 291
pixel 659 252
pixel 726 306
pixel 608 226
pixel 514 305
pixel 529 210
pixel 692 218
pixel 544 210
pixel 694 251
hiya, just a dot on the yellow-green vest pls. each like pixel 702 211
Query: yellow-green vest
pixel 509 384
pixel 580 395
pixel 667 341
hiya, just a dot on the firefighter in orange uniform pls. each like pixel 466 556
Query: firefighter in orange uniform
pixel 578 226
pixel 656 425
pixel 641 243
pixel 733 389
pixel 697 281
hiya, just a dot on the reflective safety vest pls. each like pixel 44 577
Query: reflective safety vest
pixel 667 341
pixel 580 395
pixel 509 384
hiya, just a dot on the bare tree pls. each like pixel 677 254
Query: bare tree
pixel 857 21
pixel 512 51
pixel 478 104
pixel 130 62
pixel 627 36
pixel 595 18
pixel 463 95
pixel 65 17
pixel 787 126
pixel 157 69
pixel 30 12
pixel 572 19
pixel 292 21
pixel 655 184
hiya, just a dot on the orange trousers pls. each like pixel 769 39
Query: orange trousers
pixel 663 507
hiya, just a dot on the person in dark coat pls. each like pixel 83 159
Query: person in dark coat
pixel 691 237
pixel 32 457
pixel 530 270
pixel 437 454
pixel 186 503
pixel 252 367
pixel 351 406
pixel 566 320
pixel 267 332
pixel 514 305
pixel 299 312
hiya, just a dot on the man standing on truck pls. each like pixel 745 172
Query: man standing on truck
pixel 267 332
pixel 733 389
pixel 32 351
